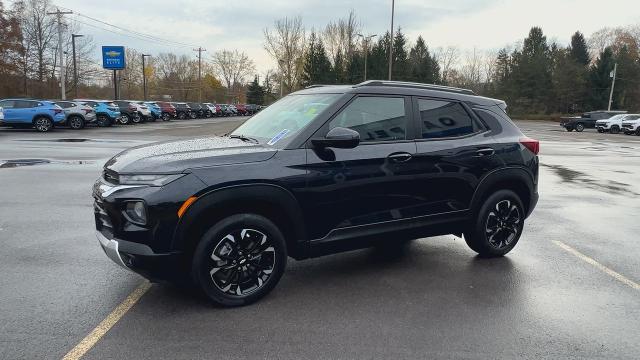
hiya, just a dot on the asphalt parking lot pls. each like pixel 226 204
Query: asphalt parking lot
pixel 570 289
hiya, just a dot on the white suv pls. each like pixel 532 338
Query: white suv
pixel 612 124
pixel 631 124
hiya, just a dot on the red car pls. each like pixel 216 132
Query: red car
pixel 168 110
pixel 242 110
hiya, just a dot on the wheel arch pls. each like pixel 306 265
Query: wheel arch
pixel 271 201
pixel 35 117
pixel 516 179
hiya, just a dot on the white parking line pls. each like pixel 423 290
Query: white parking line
pixel 105 325
pixel 616 275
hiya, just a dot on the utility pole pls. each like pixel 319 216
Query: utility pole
pixel 200 50
pixel 59 14
pixel 75 68
pixel 144 77
pixel 613 84
pixel 393 5
pixel 281 63
pixel 365 40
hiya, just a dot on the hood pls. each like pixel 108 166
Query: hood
pixel 177 156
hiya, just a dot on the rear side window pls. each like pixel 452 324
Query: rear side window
pixel 7 104
pixel 376 118
pixel 23 104
pixel 441 119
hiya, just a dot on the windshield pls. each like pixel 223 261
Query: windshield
pixel 285 118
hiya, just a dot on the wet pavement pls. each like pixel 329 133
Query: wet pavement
pixel 566 290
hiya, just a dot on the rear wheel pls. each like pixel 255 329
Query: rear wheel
pixel 569 129
pixel 166 117
pixel 497 226
pixel 43 124
pixel 239 260
pixel 182 116
pixel 137 119
pixel 614 129
pixel 638 131
pixel 579 127
pixel 75 122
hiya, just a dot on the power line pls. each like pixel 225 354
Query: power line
pixel 145 36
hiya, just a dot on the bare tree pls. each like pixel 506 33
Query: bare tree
pixel 39 31
pixel 447 59
pixel 286 44
pixel 233 67
pixel 341 36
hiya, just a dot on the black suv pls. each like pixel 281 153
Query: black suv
pixel 325 169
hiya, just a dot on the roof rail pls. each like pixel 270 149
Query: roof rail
pixel 415 86
pixel 314 86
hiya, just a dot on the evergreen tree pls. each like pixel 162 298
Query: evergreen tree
pixel 400 67
pixel 339 68
pixel 316 66
pixel 255 92
pixel 378 60
pixel 532 73
pixel 626 94
pixel 355 71
pixel 599 79
pixel 423 67
pixel 579 49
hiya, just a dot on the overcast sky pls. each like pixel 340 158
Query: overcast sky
pixel 215 24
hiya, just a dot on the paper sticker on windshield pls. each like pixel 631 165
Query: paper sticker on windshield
pixel 278 136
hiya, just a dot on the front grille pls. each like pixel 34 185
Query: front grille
pixel 103 221
pixel 111 176
pixel 627 126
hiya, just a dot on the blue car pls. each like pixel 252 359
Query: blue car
pixel 39 114
pixel 107 113
pixel 156 113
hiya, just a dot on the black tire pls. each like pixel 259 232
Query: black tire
pixel 182 116
pixel 75 122
pixel 569 129
pixel 614 129
pixel 638 131
pixel 137 119
pixel 502 213
pixel 43 124
pixel 193 115
pixel 600 130
pixel 103 121
pixel 219 246
pixel 166 117
pixel 579 127
pixel 126 119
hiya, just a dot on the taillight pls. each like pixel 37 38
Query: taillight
pixel 531 144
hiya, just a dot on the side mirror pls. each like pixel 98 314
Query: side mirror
pixel 339 137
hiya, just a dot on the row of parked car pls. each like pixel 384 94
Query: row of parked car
pixel 44 115
pixel 614 122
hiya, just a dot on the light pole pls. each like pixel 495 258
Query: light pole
pixel 393 5
pixel 281 63
pixel 365 40
pixel 613 84
pixel 75 68
pixel 144 77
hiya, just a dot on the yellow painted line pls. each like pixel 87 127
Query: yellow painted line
pixel 105 325
pixel 614 274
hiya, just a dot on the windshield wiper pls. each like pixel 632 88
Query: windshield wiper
pixel 245 138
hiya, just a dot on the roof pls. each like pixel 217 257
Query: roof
pixel 384 87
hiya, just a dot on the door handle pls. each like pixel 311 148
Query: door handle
pixel 400 157
pixel 485 152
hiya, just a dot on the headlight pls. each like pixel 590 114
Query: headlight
pixel 136 212
pixel 149 179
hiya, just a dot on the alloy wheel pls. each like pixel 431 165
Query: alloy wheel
pixel 43 124
pixel 242 262
pixel 503 224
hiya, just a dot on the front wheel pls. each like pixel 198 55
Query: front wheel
pixel 166 117
pixel 76 122
pixel 579 127
pixel 638 131
pixel 239 260
pixel 614 129
pixel 126 119
pixel 103 121
pixel 497 225
pixel 137 119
